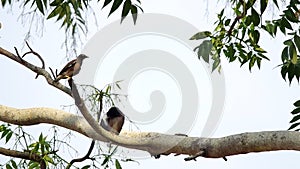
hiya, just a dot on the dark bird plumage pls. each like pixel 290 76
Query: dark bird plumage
pixel 113 121
pixel 71 69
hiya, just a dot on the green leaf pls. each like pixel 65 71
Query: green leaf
pixel 259 49
pixel 263 56
pixel 263 6
pixel 56 3
pixel 252 62
pixel 255 17
pixel 201 35
pixel 293 54
pixel 45 3
pixel 106 2
pixel 49 159
pixel 288 42
pixel 204 50
pixel 55 12
pixel 115 6
pixel 134 13
pixel 227 22
pixel 270 28
pixel 126 9
pixel 297 103
pixel 284 70
pixel 36 148
pixel 105 160
pixel 254 36
pixel 14 164
pixel 282 29
pixel 8 136
pixel 221 14
pixel 297 72
pixel 285 54
pixel 289 14
pixel 108 89
pixel 4 2
pixel 216 63
pixel 297 42
pixel 258 62
pixel 86 167
pixel 286 23
pixel 276 3
pixel 294 125
pixel 8 166
pixel 4 133
pixel 33 165
pixel 39 5
pixel 249 4
pixel 291 72
pixel 230 53
pixel 118 165
pixel 295 118
pixel 41 138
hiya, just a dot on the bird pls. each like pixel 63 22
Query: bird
pixel 113 121
pixel 71 69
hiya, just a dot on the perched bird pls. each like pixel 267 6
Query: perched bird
pixel 71 69
pixel 113 121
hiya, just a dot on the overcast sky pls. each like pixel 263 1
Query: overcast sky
pixel 256 101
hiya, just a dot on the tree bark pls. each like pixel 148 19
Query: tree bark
pixel 158 143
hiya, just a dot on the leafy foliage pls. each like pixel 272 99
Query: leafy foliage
pixel 290 66
pixel 6 132
pixel 236 38
pixel 71 12
pixel 296 113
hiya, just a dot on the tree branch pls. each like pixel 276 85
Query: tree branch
pixel 87 156
pixel 36 69
pixel 156 143
pixel 78 100
pixel 24 155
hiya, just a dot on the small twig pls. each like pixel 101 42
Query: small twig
pixel 193 157
pixel 52 72
pixel 180 134
pixel 87 156
pixel 236 19
pixel 30 52
pixel 17 52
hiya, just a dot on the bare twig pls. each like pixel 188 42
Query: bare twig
pixel 87 156
pixel 193 157
pixel 31 52
pixel 36 69
pixel 52 72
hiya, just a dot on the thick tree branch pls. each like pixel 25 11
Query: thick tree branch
pixel 156 143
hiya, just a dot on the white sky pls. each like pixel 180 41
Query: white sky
pixel 256 101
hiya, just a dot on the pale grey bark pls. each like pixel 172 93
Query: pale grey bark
pixel 157 143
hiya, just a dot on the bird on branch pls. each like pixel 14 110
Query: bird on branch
pixel 113 121
pixel 71 69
